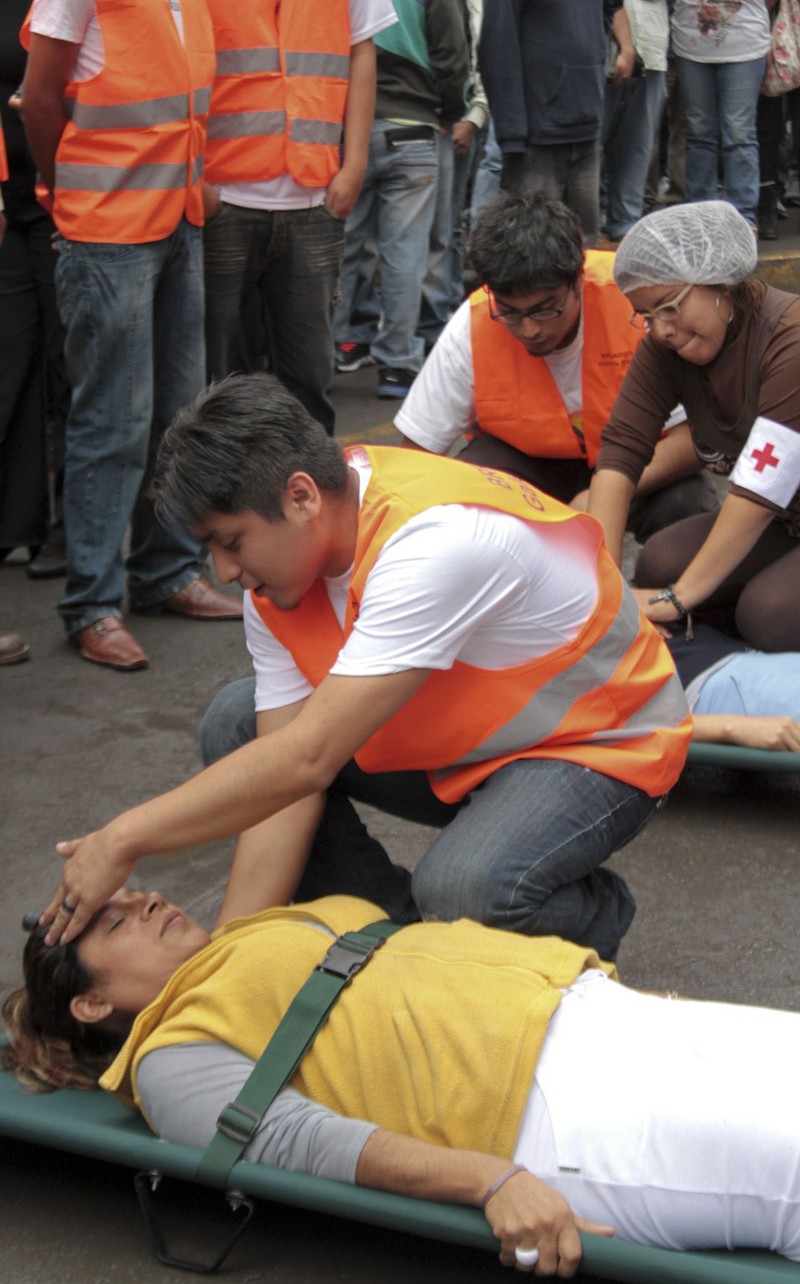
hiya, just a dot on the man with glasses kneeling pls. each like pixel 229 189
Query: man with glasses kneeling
pixel 531 364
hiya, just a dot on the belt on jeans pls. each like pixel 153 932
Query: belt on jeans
pixel 410 134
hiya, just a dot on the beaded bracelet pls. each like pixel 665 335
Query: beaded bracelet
pixel 669 595
pixel 500 1181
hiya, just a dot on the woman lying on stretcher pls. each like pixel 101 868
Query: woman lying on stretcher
pixel 458 1053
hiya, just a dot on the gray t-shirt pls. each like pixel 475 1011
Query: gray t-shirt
pixel 185 1087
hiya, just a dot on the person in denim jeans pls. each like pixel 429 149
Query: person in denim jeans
pixel 422 71
pixel 273 242
pixel 467 639
pixel 129 288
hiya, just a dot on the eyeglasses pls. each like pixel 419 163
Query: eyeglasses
pixel 666 313
pixel 513 316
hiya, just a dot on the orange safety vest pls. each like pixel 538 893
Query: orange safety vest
pixel 280 91
pixel 609 699
pixel 129 164
pixel 516 396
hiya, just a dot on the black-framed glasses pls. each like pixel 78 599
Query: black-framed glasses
pixel 514 316
pixel 666 313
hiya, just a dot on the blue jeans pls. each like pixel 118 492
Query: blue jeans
pixel 443 287
pixel 523 851
pixel 568 172
pixel 721 101
pixel 395 207
pixel 487 175
pixel 631 116
pixel 283 267
pixel 134 349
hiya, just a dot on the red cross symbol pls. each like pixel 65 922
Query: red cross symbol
pixel 765 458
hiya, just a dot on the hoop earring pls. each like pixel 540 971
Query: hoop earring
pixel 730 301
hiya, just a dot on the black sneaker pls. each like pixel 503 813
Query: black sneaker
pixel 352 356
pixel 394 383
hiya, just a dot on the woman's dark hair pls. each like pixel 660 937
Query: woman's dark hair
pixel 234 449
pixel 49 1047
pixel 520 244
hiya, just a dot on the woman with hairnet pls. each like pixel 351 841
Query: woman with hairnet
pixel 728 348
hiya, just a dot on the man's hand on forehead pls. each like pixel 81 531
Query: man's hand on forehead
pixel 92 873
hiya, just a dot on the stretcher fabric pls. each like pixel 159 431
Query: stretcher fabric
pixel 740 757
pixel 94 1125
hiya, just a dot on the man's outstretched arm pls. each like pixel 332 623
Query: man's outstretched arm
pixel 258 781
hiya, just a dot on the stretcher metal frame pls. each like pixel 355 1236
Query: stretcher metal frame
pixel 93 1124
pixel 714 755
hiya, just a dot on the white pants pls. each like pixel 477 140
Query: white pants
pixel 677 1123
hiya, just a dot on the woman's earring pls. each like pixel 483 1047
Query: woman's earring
pixel 729 318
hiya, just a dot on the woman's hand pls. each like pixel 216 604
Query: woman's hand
pixel 526 1213
pixel 93 870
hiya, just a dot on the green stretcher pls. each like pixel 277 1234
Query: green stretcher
pixel 747 759
pixel 94 1125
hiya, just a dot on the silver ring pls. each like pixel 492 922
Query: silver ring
pixel 527 1256
pixel 67 908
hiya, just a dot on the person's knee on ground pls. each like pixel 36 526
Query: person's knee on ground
pixel 229 721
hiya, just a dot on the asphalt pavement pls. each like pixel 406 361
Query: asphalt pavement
pixel 715 877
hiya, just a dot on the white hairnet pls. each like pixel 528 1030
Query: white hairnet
pixel 705 243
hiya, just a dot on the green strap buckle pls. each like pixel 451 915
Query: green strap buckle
pixel 239 1122
pixel 348 955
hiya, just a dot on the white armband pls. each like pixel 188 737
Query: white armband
pixel 769 464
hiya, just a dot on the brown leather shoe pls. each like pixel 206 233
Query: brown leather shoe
pixel 201 601
pixel 109 642
pixel 13 650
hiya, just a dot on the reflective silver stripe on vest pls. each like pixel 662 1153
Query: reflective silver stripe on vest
pixel 327 132
pixel 202 99
pixel 240 62
pixel 548 706
pixel 246 124
pixel 198 169
pixel 140 115
pixel 112 178
pixel 335 66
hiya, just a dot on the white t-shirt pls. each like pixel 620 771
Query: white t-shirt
pixel 455 582
pixel 440 407
pixel 76 21
pixel 367 18
pixel 726 31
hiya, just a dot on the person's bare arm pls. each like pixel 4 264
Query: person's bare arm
pixel 46 74
pixel 674 459
pixel 259 780
pixel 738 526
pixel 626 58
pixel 752 732
pixel 270 858
pixel 523 1213
pixel 345 186
pixel 610 496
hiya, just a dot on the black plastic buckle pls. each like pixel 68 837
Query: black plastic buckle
pixel 237 1129
pixel 346 957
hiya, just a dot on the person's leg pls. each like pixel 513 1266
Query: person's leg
pixel 770 608
pixel 164 559
pixel 651 513
pixel 50 561
pixel 105 297
pixel 561 478
pixel 738 84
pixel 631 118
pixel 582 191
pixel 360 231
pixel 769 132
pixel 487 174
pixel 463 167
pixel 300 271
pixel 406 186
pixel 526 853
pixel 23 481
pixel 698 83
pixel 228 239
pixel 537 169
pixel 434 312
pixel 686 1140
